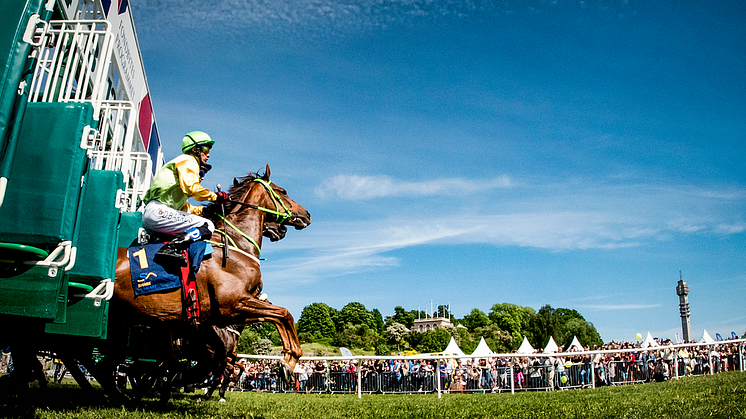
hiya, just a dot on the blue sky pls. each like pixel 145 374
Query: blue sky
pixel 572 153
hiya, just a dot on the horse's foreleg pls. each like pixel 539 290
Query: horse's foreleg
pixel 255 309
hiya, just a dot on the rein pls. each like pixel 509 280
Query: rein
pixel 276 200
pixel 281 217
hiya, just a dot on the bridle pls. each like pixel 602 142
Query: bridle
pixel 280 217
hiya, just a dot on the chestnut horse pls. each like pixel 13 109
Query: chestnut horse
pixel 230 291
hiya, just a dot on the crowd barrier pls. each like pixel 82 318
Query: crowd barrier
pixel 444 373
pixel 511 373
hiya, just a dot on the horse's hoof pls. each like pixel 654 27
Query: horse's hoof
pixel 222 400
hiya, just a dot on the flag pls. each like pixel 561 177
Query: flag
pixel 345 352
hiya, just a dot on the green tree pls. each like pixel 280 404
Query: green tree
pixel 498 340
pixel 269 331
pixel 514 319
pixel 378 320
pixel 403 316
pixel 357 336
pixel 246 341
pixel 316 321
pixel 395 333
pixel 545 324
pixel 443 311
pixel 477 318
pixel 433 340
pixel 262 347
pixel 585 331
pixel 356 314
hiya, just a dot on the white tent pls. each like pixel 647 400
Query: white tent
pixel 525 347
pixel 452 348
pixel 551 346
pixel 649 342
pixel 482 350
pixel 706 338
pixel 575 345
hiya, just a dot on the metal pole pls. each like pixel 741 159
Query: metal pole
pixel 437 375
pixel 710 349
pixel 593 373
pixel 740 356
pixel 676 362
pixel 512 380
pixel 359 381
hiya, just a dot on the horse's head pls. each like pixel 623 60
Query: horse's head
pixel 274 200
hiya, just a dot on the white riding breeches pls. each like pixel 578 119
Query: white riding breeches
pixel 163 219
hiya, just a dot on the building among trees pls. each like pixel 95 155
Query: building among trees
pixel 431 323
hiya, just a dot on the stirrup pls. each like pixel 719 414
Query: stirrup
pixel 169 256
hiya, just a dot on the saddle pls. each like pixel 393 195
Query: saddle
pixel 149 277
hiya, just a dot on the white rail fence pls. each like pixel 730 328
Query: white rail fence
pixel 511 372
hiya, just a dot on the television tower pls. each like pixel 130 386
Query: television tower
pixel 683 292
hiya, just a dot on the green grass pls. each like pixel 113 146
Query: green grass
pixel 720 396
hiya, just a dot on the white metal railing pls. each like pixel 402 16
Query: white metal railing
pixel 440 381
pixel 140 176
pixel 116 145
pixel 73 62
pixel 74 65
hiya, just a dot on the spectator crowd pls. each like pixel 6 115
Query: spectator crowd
pixel 612 364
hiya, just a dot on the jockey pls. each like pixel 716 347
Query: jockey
pixel 166 208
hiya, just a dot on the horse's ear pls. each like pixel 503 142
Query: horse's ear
pixel 235 182
pixel 266 173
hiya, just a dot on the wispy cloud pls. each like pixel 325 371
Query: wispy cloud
pixel 335 16
pixel 538 216
pixel 621 306
pixel 739 227
pixel 355 187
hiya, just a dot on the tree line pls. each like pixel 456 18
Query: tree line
pixel 503 328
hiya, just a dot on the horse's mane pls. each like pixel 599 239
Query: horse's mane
pixel 241 185
pixel 239 188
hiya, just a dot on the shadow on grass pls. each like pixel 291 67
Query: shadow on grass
pixel 25 401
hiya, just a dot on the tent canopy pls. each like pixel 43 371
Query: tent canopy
pixel 525 347
pixel 706 338
pixel 551 346
pixel 482 350
pixel 452 348
pixel 575 345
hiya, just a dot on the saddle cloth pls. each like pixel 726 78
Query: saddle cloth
pixel 149 277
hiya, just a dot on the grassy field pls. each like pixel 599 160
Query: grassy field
pixel 720 396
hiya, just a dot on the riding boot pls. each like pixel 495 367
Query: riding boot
pixel 172 253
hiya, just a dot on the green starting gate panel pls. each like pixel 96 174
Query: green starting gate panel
pixel 129 228
pixel 14 15
pixel 38 292
pixel 41 208
pixel 83 316
pixel 98 234
pixel 45 183
pixel 98 231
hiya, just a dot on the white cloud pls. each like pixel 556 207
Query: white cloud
pixel 355 187
pixel 735 228
pixel 621 306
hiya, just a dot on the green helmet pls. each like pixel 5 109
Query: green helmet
pixel 195 138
